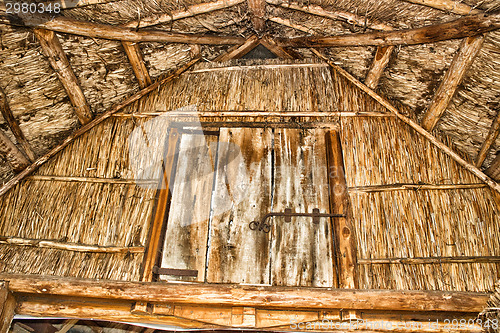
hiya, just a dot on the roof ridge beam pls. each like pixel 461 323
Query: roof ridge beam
pixel 455 7
pixel 54 52
pixel 469 48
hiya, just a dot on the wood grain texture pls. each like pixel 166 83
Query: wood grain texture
pixel 302 253
pixel 461 62
pixel 186 235
pixel 53 50
pixel 136 60
pixel 257 10
pixel 378 65
pixel 242 194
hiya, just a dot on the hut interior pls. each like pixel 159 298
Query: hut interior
pixel 249 165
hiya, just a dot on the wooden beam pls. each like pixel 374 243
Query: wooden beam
pixel 279 51
pixel 431 260
pixel 75 247
pixel 93 180
pixel 384 102
pixel 452 6
pixel 494 170
pixel 115 108
pixel 461 62
pixel 136 60
pixel 247 295
pixel 413 187
pixel 14 156
pixel 14 126
pixel 378 65
pixel 193 10
pixel 489 141
pixel 334 15
pixel 7 307
pixel 345 245
pixel 88 29
pixel 226 114
pixel 239 51
pixel 52 49
pixel 288 23
pixel 464 27
pixel 257 9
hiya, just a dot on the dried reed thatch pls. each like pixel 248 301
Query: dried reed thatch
pixel 102 206
pixel 491 314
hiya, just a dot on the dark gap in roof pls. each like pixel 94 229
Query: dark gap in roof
pixel 259 52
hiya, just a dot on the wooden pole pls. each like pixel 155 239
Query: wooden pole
pixel 52 49
pixel 334 15
pixel 136 60
pixel 279 51
pixel 14 156
pixel 452 6
pixel 413 187
pixel 384 102
pixel 88 29
pixel 247 295
pixel 494 170
pixel 461 62
pixel 239 51
pixel 117 107
pixel 288 23
pixel 463 27
pixel 378 65
pixel 489 141
pixel 14 126
pixel 431 260
pixel 193 10
pixel 7 307
pixel 257 9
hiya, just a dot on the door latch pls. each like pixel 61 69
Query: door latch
pixel 287 214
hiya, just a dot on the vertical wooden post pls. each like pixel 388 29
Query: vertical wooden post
pixel 7 307
pixel 154 247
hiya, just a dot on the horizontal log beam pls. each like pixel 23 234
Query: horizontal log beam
pixel 464 27
pixel 414 187
pixel 489 141
pixel 462 60
pixel 244 295
pixel 452 6
pixel 52 244
pixel 431 260
pixel 88 29
pixel 14 156
pixel 96 121
pixel 54 52
pixel 14 126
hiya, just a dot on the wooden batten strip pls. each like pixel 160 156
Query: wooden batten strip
pixel 402 187
pixel 452 6
pixel 489 141
pixel 378 65
pixel 136 60
pixel 52 244
pixel 334 15
pixel 257 9
pixel 431 260
pixel 193 10
pixel 93 180
pixel 239 51
pixel 271 297
pixel 96 121
pixel 461 62
pixel 435 141
pixel 67 325
pixel 463 27
pixel 279 51
pixel 68 25
pixel 8 309
pixel 14 126
pixel 53 51
pixel 14 156
pixel 231 114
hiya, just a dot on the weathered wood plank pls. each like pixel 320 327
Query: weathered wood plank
pixel 210 315
pixel 461 62
pixel 378 65
pixel 302 253
pixel 186 236
pixel 57 58
pixel 271 318
pixel 136 60
pixel 242 194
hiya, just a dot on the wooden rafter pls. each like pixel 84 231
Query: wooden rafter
pixel 378 65
pixel 7 307
pixel 193 10
pixel 88 29
pixel 463 27
pixel 276 49
pixel 115 108
pixel 489 141
pixel 288 23
pixel 14 156
pixel 435 141
pixel 461 62
pixel 334 15
pixel 136 60
pixel 14 126
pixel 52 49
pixel 494 170
pixel 239 51
pixel 452 6
pixel 257 9
pixel 246 295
